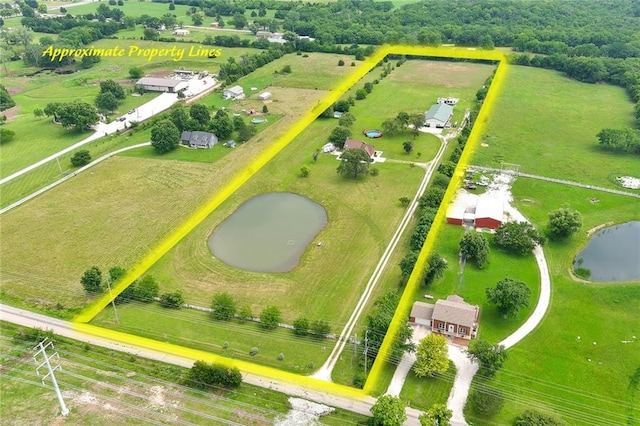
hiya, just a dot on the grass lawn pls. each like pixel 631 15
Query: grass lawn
pixel 422 393
pixel 554 371
pixel 548 124
pixel 105 387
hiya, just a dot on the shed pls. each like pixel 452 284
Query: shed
pixel 264 96
pixel 181 32
pixel 235 92
pixel 489 212
pixel 438 115
pixel 169 85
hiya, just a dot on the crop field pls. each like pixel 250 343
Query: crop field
pixel 583 372
pixel 548 124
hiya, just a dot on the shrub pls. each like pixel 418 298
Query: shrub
pixel 224 307
pixel 320 328
pixel 487 403
pixel 304 171
pixel 374 171
pixel 204 375
pixel 270 317
pixel 341 63
pixel 583 273
pixel 301 326
pixel 225 345
pixel 404 201
pixel 81 158
pixel 172 300
pixel 253 351
pixel 281 357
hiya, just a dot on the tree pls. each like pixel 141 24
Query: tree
pixel 135 73
pixel 81 158
pixel 489 357
pixel 408 262
pixel 517 237
pixel 286 69
pixel 437 415
pixel 341 63
pixel 91 280
pixel 378 322
pixel 204 375
pixel 239 21
pixel 431 356
pixel 509 296
pixel 246 133
pixel 201 113
pixel 564 222
pixel 147 289
pixel 431 198
pixel 416 122
pixel 6 135
pixel 361 94
pixel 475 247
pixel 78 115
pixel 110 86
pixel 407 146
pixel 245 313
pixel 301 326
pixel 402 119
pixel 265 109
pixel 486 402
pixel 106 101
pixel 172 6
pixel 368 87
pixel 388 411
pixel 270 317
pixel 347 120
pixel 196 18
pixel 165 136
pixel 339 135
pixel 172 300
pixel 150 34
pixel 6 101
pixel 390 126
pixel 38 112
pixel 354 162
pixel 536 418
pixel 436 265
pixel 320 329
pixel 222 127
pixel 224 307
pixel 441 181
pixel 304 171
pixel 179 118
pixel 116 273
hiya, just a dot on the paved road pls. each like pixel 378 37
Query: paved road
pixel 143 112
pixel 63 328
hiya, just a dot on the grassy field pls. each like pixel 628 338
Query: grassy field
pixel 104 387
pixel 582 381
pixel 548 124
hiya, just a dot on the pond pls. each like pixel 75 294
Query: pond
pixel 268 233
pixel 612 254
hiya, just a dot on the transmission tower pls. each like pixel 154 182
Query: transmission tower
pixel 42 350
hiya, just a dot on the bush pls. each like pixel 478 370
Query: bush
pixel 583 273
pixel 81 158
pixel 374 171
pixel 404 201
pixel 301 326
pixel 536 418
pixel 253 351
pixel 270 317
pixel 281 357
pixel 341 63
pixel 487 403
pixel 224 307
pixel 172 300
pixel 320 328
pixel 304 171
pixel 204 375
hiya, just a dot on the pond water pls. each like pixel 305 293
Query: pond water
pixel 268 233
pixel 612 254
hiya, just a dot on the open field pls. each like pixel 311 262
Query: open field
pixel 582 381
pixel 548 123
pixel 125 193
pixel 104 387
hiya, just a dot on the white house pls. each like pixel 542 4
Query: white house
pixel 235 92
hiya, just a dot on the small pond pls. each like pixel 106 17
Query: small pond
pixel 612 254
pixel 268 233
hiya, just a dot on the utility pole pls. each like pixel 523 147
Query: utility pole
pixel 113 301
pixel 42 350
pixel 366 348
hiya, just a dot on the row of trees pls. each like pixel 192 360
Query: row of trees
pixel 621 140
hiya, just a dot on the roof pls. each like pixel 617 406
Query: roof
pixel 265 95
pixel 455 310
pixel 199 138
pixel 163 82
pixel 490 207
pixel 236 90
pixel 440 112
pixel 464 201
pixel 422 310
pixel 356 144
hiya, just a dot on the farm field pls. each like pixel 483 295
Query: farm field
pixel 556 138
pixel 104 387
pixel 561 368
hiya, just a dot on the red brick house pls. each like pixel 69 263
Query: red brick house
pixel 452 317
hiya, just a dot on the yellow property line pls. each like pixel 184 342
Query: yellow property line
pixel 217 199
pixel 406 301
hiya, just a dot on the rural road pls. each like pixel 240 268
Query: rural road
pixel 66 329
pixel 143 112
pixel 465 368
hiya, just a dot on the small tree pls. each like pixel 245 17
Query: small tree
pixel 165 136
pixel 490 357
pixel 404 201
pixel 487 402
pixel 339 135
pixel 6 135
pixel 224 307
pixel 301 326
pixel 361 94
pixel 245 313
pixel 81 158
pixel 536 418
pixel 347 120
pixel 106 101
pixel 474 246
pixel 341 63
pixel 431 356
pixel 436 266
pixel 200 112
pixel 38 112
pixel 147 289
pixel 564 222
pixel 407 146
pixel 304 171
pixel 509 296
pixel 91 280
pixel 388 411
pixel 265 109
pixel 437 415
pixel 270 317
pixel 172 6
pixel 172 300
pixel 135 73
pixel 517 237
pixel 408 262
pixel 110 86
pixel 204 375
pixel 354 162
pixel 320 328
pixel 286 69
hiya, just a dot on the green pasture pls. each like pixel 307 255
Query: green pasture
pixel 553 370
pixel 90 374
pixel 134 8
pixel 548 124
pixel 422 393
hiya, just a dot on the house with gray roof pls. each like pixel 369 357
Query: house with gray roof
pixel 452 317
pixel 439 115
pixel 198 139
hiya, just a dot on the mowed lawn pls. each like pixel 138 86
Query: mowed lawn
pixel 548 124
pixel 114 214
pixel 575 364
